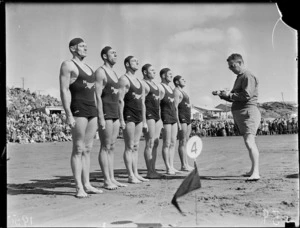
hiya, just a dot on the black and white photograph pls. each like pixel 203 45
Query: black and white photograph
pixel 151 115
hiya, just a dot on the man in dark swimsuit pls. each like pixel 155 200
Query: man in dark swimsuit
pixel 169 118
pixel 132 117
pixel 107 89
pixel 182 101
pixel 154 123
pixel 77 91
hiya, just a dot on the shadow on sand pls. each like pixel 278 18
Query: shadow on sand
pixel 50 186
pixel 55 185
pixel 64 185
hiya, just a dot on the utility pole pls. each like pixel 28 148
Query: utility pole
pixel 282 97
pixel 23 82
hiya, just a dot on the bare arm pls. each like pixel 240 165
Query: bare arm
pixel 99 84
pixel 161 91
pixel 144 106
pixel 177 100
pixel 123 89
pixel 146 86
pixel 65 94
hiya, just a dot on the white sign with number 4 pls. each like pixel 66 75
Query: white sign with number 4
pixel 194 147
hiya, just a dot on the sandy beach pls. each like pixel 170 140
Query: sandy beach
pixel 41 188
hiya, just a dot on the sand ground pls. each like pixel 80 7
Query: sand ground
pixel 41 190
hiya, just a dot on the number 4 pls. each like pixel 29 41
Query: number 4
pixel 194 148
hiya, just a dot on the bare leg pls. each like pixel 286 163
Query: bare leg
pixel 174 131
pixel 90 132
pixel 183 137
pixel 77 151
pixel 137 137
pixel 253 151
pixel 165 148
pixel 149 150
pixel 105 136
pixel 128 133
pixel 158 126
pixel 115 132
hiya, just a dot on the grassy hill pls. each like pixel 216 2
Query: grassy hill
pixel 271 109
pixel 277 109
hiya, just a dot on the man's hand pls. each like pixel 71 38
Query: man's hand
pixel 216 92
pixel 101 123
pixel 179 126
pixel 71 121
pixel 122 124
pixel 145 126
pixel 224 94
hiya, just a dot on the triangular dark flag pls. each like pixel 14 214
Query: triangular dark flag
pixel 190 183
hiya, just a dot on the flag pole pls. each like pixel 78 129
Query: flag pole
pixel 196 197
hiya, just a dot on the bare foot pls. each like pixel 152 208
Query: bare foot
pixel 176 171
pixel 141 178
pixel 118 183
pixel 170 172
pixel 253 177
pixel 110 186
pixel 133 180
pixel 186 168
pixel 153 175
pixel 248 174
pixel 81 193
pixel 92 190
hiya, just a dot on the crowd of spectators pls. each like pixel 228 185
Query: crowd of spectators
pixel 26 125
pixel 214 128
pixel 278 126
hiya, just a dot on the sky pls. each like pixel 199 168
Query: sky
pixel 193 40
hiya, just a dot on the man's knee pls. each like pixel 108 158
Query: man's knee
pixel 112 146
pixel 106 147
pixel 172 144
pixel 182 141
pixel 130 146
pixel 167 144
pixel 249 139
pixel 135 147
pixel 150 142
pixel 156 142
pixel 78 149
pixel 88 148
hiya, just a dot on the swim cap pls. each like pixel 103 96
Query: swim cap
pixel 163 71
pixel 127 59
pixel 146 67
pixel 75 41
pixel 104 51
pixel 176 78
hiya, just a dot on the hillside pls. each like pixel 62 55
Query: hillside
pixel 277 109
pixel 23 100
pixel 271 109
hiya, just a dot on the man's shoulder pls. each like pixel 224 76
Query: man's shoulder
pixel 177 91
pixel 68 61
pixel 248 74
pixel 124 80
pixel 144 83
pixel 100 72
pixel 67 64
